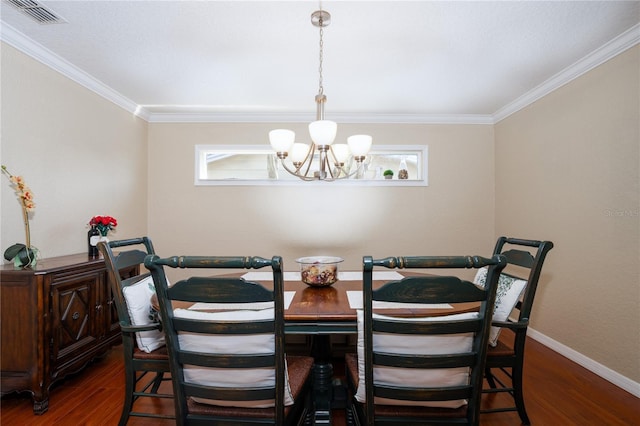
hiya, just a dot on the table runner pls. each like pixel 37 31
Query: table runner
pixel 344 276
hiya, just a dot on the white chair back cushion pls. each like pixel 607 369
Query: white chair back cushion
pixel 411 377
pixel 138 299
pixel 507 295
pixel 231 344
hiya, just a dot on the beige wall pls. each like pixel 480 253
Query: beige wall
pixel 567 170
pixel 80 154
pixel 454 214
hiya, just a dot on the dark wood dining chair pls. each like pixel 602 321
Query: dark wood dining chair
pixel 422 369
pixel 228 365
pixel 146 361
pixel 524 262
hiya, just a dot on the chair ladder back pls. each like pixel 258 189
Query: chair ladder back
pixel 129 258
pixel 431 262
pixel 224 327
pixel 221 289
pixel 226 361
pixel 532 262
pixel 229 394
pixel 218 262
pixel 146 241
pixel 143 372
pixel 519 257
pixel 428 289
pixel 436 288
pixel 424 394
pixel 509 353
pixel 434 327
pixel 117 263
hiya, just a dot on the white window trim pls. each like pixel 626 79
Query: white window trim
pixel 199 163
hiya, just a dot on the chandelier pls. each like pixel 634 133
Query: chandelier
pixel 331 157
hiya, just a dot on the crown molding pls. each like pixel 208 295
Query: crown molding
pixel 24 44
pixel 218 117
pixel 15 38
pixel 599 56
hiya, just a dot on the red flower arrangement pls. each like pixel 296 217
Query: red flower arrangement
pixel 104 224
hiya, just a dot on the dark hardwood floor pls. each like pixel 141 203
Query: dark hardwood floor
pixel 558 392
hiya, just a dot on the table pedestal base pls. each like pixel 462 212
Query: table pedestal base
pixel 322 379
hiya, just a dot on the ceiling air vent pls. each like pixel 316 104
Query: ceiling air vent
pixel 37 11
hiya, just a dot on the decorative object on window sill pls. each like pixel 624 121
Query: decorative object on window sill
pixel 100 227
pixel 22 255
pixel 323 133
pixel 388 174
pixel 403 171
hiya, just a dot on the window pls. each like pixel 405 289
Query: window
pixel 258 165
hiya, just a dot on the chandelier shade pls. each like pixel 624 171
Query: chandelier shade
pixel 281 139
pixel 340 152
pixel 323 132
pixel 299 152
pixel 332 157
pixel 359 144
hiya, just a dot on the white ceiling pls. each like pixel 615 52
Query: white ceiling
pixel 384 61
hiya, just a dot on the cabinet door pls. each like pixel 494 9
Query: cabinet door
pixel 21 330
pixel 74 313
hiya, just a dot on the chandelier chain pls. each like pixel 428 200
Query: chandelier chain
pixel 320 88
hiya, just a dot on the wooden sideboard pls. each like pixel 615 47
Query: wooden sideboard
pixel 55 318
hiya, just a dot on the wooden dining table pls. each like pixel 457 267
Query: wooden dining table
pixel 324 311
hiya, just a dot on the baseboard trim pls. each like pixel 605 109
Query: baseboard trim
pixel 591 365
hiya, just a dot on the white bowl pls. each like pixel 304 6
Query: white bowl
pixel 319 271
